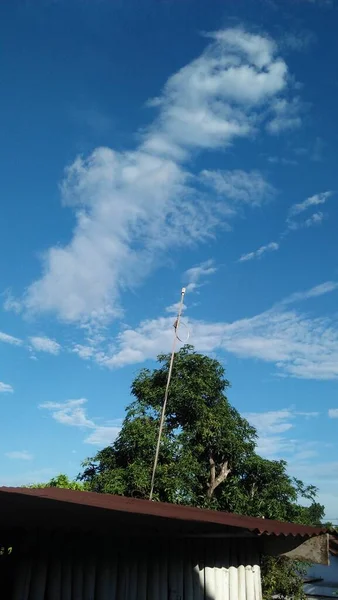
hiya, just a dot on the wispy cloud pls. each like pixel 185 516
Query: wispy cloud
pixel 286 115
pixel 318 150
pixel 5 388
pixel 19 455
pixel 333 413
pixel 272 246
pixel 173 308
pixel 130 207
pixel 297 209
pixel 73 413
pixel 297 344
pixel 281 160
pixel 84 351
pixel 194 275
pixel 272 427
pixel 315 219
pixel 292 224
pixel 242 187
pixel 45 344
pixel 318 290
pixel 299 41
pixel 315 200
pixel 9 339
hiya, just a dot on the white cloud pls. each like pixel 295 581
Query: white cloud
pixel 45 344
pixel 273 421
pixel 296 209
pixel 130 207
pixel 9 339
pixel 19 455
pixel 173 308
pixel 6 388
pixel 286 115
pixel 297 344
pixel 318 290
pixel 70 413
pixel 73 413
pixel 241 187
pixel 315 200
pixel 103 435
pixel 194 275
pixel 333 413
pixel 308 415
pixel 315 219
pixel 273 443
pixel 11 304
pixel 219 96
pixel 272 246
pixel 270 425
pixel 83 351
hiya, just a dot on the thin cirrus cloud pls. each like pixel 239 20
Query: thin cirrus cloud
pixel 286 115
pixel 315 200
pixel 297 209
pixel 45 344
pixel 277 437
pixel 292 224
pixel 244 188
pixel 10 339
pixel 130 207
pixel 296 344
pixel 315 292
pixel 193 277
pixel 73 414
pixel 271 247
pixel 6 388
pixel 19 455
pixel 333 413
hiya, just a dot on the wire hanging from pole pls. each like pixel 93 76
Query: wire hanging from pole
pixel 176 326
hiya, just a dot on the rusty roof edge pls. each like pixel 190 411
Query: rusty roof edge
pixel 257 525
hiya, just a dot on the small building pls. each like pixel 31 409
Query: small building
pixel 61 544
pixel 321 581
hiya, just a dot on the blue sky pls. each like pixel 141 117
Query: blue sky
pixel 143 149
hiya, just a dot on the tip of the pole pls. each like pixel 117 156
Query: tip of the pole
pixel 183 291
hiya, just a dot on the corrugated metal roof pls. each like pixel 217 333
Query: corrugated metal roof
pixel 44 498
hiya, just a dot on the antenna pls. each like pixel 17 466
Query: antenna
pixel 176 326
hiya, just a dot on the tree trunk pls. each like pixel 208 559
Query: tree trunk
pixel 216 481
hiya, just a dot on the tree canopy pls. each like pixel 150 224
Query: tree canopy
pixel 208 451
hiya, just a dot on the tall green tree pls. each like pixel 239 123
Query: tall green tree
pixel 204 438
pixel 207 457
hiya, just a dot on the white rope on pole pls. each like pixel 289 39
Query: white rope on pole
pixel 176 326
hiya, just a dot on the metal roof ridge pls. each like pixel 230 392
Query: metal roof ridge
pixel 138 506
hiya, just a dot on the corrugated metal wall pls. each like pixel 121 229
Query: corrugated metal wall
pixel 139 570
